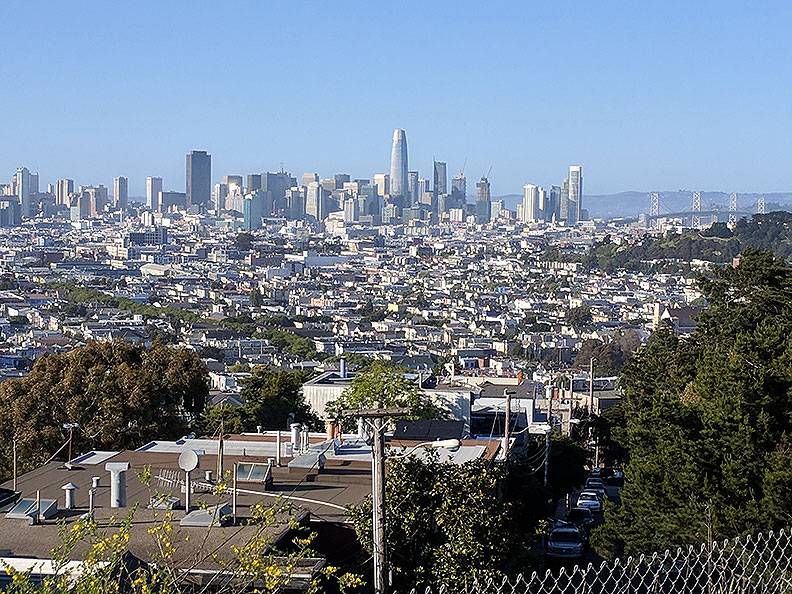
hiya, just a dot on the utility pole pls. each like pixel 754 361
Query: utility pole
pixel 15 462
pixel 507 428
pixel 547 456
pixel 376 418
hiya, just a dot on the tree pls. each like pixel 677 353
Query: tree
pixel 243 242
pixel 708 418
pixel 120 394
pixel 578 317
pixel 449 524
pixel 272 399
pixel 384 384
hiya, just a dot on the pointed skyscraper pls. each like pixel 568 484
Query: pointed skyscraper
pixel 398 172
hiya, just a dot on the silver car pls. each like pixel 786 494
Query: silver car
pixel 565 542
pixel 590 500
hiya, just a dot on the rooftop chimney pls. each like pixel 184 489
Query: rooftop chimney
pixel 295 437
pixel 117 472
pixel 342 368
pixel 69 488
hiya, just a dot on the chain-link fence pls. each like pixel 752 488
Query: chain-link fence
pixel 757 564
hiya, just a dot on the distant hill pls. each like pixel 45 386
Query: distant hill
pixel 632 203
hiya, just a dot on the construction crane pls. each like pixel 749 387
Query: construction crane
pixel 488 172
pixel 462 171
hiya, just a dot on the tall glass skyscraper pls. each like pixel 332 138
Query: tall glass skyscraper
pixel 576 190
pixel 398 172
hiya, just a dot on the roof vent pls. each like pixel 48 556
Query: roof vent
pixel 69 488
pixel 117 472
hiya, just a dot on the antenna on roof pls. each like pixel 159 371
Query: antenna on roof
pixel 188 461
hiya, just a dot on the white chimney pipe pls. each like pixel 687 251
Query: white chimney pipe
pixel 342 368
pixel 69 489
pixel 95 482
pixel 295 437
pixel 361 428
pixel 117 472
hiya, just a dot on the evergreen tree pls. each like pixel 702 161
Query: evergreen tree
pixel 708 418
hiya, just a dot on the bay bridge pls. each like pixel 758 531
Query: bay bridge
pixel 697 215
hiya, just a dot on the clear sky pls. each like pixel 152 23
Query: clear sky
pixel 645 95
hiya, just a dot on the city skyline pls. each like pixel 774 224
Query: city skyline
pixel 619 93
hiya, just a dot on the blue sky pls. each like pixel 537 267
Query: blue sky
pixel 644 95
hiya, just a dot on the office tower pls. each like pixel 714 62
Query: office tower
pixel 277 184
pixel 398 169
pixel 34 183
pixel 120 192
pixel 412 186
pixel 440 178
pixel 295 204
pixel 94 201
pixel 10 212
pixel 234 183
pixel 564 205
pixel 309 178
pixel 167 200
pixel 496 210
pixel 351 210
pixel 199 179
pixel 553 204
pixel 390 214
pixel 328 183
pixel 219 196
pixel 367 199
pixel 315 201
pixel 22 190
pixel 483 200
pixel 576 189
pixel 530 203
pixel 253 182
pixel 340 180
pixel 253 210
pixel 382 183
pixel 80 205
pixel 459 190
pixel 542 195
pixel 63 188
pixel 153 189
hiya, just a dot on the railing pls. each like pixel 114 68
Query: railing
pixel 754 564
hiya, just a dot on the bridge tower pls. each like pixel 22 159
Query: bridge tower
pixel 733 208
pixel 760 205
pixel 695 220
pixel 654 208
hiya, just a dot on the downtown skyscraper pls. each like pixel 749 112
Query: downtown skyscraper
pixel 199 178
pixel 575 192
pixel 398 171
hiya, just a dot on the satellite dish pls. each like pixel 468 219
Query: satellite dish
pixel 188 460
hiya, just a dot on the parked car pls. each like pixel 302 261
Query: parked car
pixel 581 517
pixel 595 484
pixel 565 542
pixel 590 500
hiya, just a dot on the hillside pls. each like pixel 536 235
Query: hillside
pixel 719 244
